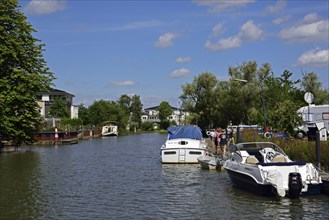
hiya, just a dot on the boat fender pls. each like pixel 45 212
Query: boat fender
pixel 267 135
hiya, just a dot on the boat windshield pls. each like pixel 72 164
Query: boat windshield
pixel 253 146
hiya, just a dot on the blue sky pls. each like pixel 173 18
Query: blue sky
pixel 104 49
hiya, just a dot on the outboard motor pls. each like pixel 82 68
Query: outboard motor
pixel 295 185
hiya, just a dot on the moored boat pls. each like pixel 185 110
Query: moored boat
pixel 210 162
pixel 263 168
pixel 110 129
pixel 184 144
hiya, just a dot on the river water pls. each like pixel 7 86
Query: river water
pixel 123 178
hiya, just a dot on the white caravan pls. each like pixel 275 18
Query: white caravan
pixel 314 116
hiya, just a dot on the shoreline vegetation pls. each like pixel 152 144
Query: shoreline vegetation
pixel 300 150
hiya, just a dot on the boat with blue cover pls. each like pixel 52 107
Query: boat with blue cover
pixel 184 144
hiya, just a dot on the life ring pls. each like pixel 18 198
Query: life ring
pixel 267 135
pixel 208 133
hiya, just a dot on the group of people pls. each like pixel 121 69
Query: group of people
pixel 221 138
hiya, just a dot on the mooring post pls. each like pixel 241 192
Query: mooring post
pixel 318 151
pixel 238 138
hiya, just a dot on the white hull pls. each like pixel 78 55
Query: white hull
pixel 182 151
pixel 184 144
pixel 109 134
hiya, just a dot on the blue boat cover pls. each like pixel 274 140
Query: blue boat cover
pixel 185 131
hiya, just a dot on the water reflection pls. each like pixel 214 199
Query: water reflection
pixel 21 192
pixel 123 178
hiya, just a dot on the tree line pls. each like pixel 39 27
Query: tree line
pixel 250 93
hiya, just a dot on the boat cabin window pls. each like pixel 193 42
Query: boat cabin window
pixel 169 152
pixel 195 152
pixel 183 142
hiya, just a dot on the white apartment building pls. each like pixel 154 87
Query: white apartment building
pixel 152 114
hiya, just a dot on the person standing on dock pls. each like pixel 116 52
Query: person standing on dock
pixel 223 141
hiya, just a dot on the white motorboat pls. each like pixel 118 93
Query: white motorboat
pixel 210 162
pixel 263 168
pixel 110 129
pixel 184 144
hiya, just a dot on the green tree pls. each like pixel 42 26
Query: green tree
pixel 165 111
pixel 136 110
pixel 284 117
pixel 125 103
pixel 84 115
pixel 59 109
pixel 311 83
pixel 198 97
pixel 103 111
pixel 23 73
pixel 244 100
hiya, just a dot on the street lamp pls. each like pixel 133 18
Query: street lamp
pixel 263 101
pixel 240 80
pixel 263 96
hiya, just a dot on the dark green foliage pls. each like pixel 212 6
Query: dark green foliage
pixel 147 126
pixel 102 111
pixel 164 110
pixel 59 109
pixel 164 124
pixel 250 95
pixel 84 115
pixel 74 124
pixel 23 73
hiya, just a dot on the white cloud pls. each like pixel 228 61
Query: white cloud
pixel 310 29
pixel 314 57
pixel 166 40
pixel 183 59
pixel 310 18
pixel 250 31
pixel 138 25
pixel 223 44
pixel 217 29
pixel 222 5
pixel 41 7
pixel 124 83
pixel 180 73
pixel 278 7
pixel 280 20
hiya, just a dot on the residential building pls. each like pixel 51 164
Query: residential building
pixel 152 114
pixel 47 98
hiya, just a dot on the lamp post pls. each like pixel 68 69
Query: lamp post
pixel 263 102
pixel 263 97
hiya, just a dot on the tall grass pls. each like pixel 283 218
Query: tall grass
pixel 300 150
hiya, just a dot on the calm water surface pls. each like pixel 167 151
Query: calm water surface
pixel 122 178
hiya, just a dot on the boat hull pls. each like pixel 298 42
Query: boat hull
pixel 246 182
pixel 181 155
pixel 109 134
pixel 209 162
